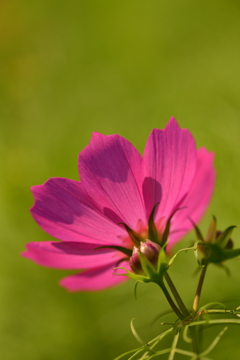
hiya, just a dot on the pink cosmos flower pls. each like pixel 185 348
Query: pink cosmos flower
pixel 118 190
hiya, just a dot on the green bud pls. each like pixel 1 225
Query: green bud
pixel 217 247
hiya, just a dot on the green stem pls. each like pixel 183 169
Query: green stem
pixel 213 322
pixel 170 301
pixel 176 295
pixel 199 288
pixel 194 330
pixel 219 311
pixel 174 345
pixel 195 343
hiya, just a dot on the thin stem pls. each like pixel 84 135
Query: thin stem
pixel 194 330
pixel 152 342
pixel 176 295
pixel 221 311
pixel 174 345
pixel 185 335
pixel 199 288
pixel 215 321
pixel 155 341
pixel 195 344
pixel 161 352
pixel 214 343
pixel 161 336
pixel 171 302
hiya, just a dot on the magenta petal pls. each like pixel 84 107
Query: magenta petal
pixel 169 167
pixel 69 255
pixel 198 197
pixel 111 172
pixel 95 279
pixel 119 186
pixel 64 211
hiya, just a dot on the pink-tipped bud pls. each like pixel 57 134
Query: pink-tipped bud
pixel 134 261
pixel 150 250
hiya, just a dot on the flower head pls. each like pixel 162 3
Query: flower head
pixel 217 246
pixel 123 198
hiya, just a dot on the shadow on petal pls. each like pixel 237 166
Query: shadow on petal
pixel 152 193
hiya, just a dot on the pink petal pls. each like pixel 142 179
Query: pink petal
pixel 169 168
pixel 198 197
pixel 111 172
pixel 69 255
pixel 63 210
pixel 95 279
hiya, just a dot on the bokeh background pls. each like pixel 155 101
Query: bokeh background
pixel 69 68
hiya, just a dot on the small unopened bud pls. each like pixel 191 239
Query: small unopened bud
pixel 150 250
pixel 134 261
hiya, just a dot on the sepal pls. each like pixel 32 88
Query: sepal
pixel 132 275
pixel 211 234
pixel 164 237
pixel 223 238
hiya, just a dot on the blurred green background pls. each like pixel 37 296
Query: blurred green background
pixel 69 68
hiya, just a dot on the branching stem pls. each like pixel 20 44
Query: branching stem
pixel 176 295
pixel 171 302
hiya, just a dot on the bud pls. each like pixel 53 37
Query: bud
pixel 134 261
pixel 217 247
pixel 150 250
